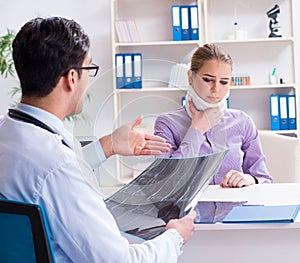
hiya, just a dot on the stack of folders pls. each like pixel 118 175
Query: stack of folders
pixel 283 112
pixel 178 76
pixel 127 31
pixel 185 22
pixel 128 70
pixel 262 214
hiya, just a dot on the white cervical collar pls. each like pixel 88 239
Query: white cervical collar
pixel 199 103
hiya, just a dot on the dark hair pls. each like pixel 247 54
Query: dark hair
pixel 44 50
pixel 209 52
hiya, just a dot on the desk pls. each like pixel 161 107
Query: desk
pixel 245 243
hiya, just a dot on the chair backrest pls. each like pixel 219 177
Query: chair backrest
pixel 282 156
pixel 23 233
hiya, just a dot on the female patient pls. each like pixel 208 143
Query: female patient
pixel 205 126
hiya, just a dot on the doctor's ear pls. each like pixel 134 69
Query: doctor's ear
pixel 190 77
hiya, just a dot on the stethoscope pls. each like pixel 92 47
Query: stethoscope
pixel 22 116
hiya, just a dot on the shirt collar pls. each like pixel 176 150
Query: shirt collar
pixel 49 119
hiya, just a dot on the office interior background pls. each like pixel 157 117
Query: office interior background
pixel 95 17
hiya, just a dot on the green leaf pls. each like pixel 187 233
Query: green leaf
pixel 6 61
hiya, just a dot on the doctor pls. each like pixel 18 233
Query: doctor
pixel 37 159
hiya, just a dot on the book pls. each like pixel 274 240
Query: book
pixel 178 77
pixel 169 188
pixel 133 31
pixel 122 31
pixel 126 31
pixel 262 214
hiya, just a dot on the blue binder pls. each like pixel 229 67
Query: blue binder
pixel 227 103
pixel 183 101
pixel 292 112
pixel 283 112
pixel 194 22
pixel 262 214
pixel 119 63
pixel 137 70
pixel 185 23
pixel 176 22
pixel 274 112
pixel 128 71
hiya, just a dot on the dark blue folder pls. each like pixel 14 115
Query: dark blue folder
pixel 262 214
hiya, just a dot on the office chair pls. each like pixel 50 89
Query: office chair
pixel 23 233
pixel 282 156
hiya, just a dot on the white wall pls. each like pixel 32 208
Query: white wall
pixel 94 16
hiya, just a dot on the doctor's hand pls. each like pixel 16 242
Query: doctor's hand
pixel 127 141
pixel 185 226
pixel 237 179
pixel 204 120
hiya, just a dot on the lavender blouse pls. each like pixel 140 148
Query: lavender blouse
pixel 235 132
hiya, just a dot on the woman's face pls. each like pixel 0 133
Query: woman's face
pixel 212 81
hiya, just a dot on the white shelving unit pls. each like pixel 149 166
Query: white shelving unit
pixel 159 54
pixel 158 50
pixel 256 55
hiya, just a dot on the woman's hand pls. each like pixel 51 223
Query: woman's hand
pixel 237 179
pixel 203 120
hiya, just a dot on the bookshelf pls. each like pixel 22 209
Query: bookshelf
pixel 256 55
pixel 159 53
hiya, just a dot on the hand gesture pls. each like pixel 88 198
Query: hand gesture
pixel 127 141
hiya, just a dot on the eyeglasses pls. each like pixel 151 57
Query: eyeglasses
pixel 93 69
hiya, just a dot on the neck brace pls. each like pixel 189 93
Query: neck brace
pixel 199 103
